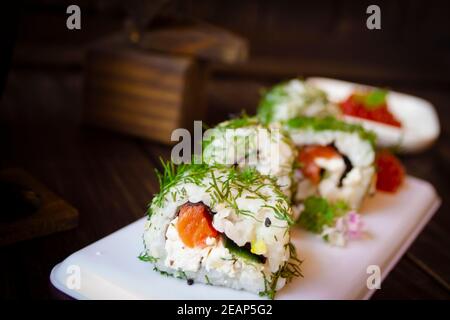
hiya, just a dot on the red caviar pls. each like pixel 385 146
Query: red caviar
pixel 354 106
pixel 390 172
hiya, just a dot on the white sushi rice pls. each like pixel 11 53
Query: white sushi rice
pixel 357 182
pixel 215 264
pixel 300 99
pixel 269 151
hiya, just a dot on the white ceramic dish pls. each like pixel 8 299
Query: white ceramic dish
pixel 109 268
pixel 420 123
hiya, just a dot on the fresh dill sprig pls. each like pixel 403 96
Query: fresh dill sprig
pixel 269 286
pixel 291 268
pixel 162 272
pixel 221 193
pixel 226 185
pixel 251 181
pixel 248 175
pixel 144 256
pixel 181 275
pixel 281 212
pixel 178 274
pixel 289 271
pixel 173 174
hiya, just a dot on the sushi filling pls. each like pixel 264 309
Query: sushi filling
pixel 193 242
pixel 324 170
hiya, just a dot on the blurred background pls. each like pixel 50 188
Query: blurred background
pixel 108 176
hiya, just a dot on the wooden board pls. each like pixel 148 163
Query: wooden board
pixel 53 215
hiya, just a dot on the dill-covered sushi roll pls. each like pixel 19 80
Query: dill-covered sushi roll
pixel 219 226
pixel 336 160
pixel 244 142
pixel 291 99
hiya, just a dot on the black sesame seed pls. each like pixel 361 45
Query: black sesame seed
pixel 267 222
pixel 190 282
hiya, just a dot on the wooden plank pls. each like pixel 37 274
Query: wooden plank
pixel 136 105
pixel 149 127
pixel 122 86
pixel 52 214
pixel 117 47
pixel 134 71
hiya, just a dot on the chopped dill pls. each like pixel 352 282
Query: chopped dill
pixel 207 281
pixel 226 185
pixel 289 271
pixel 147 258
pixel 331 123
pixel 181 275
pixel 178 274
pixel 173 174
pixel 162 272
pixel 281 212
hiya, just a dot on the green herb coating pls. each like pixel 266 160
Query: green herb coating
pixel 330 123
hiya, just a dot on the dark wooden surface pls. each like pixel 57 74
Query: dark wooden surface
pixel 109 177
pixel 53 214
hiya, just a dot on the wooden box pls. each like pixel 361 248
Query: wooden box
pixel 156 85
pixel 142 93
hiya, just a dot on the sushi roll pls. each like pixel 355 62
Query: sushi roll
pixel 294 98
pixel 336 160
pixel 244 142
pixel 219 226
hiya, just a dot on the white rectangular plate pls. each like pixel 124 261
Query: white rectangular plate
pixel 420 122
pixel 109 268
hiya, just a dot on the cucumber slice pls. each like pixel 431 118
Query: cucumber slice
pixel 243 252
